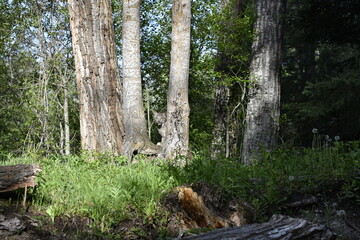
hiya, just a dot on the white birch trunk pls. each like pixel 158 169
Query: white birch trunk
pixel 263 109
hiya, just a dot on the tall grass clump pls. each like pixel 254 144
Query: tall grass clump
pixel 104 190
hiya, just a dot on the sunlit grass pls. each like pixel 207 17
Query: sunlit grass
pixel 105 191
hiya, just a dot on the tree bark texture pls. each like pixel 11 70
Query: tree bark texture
pixel 263 109
pixel 136 136
pixel 176 141
pixel 279 227
pixel 97 74
pixel 13 177
pixel 221 112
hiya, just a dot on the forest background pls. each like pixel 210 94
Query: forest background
pixel 319 72
pixel 319 80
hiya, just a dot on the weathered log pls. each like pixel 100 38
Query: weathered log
pixel 303 202
pixel 279 227
pixel 17 176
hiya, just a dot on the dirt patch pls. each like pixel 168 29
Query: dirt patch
pixel 341 215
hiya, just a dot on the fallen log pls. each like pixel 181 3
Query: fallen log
pixel 279 227
pixel 303 203
pixel 17 176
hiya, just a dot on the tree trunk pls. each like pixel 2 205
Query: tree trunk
pixel 176 141
pixel 279 227
pixel 263 109
pixel 66 116
pixel 97 75
pixel 136 136
pixel 221 113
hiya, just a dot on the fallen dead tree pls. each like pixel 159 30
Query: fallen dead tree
pixel 17 176
pixel 13 177
pixel 279 227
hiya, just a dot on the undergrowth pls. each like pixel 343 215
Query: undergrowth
pixel 103 189
pixel 107 190
pixel 270 181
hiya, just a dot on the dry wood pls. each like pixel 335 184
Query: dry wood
pixel 201 206
pixel 17 176
pixel 279 227
pixel 194 205
pixel 303 202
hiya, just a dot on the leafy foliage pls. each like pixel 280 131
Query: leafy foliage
pixel 36 68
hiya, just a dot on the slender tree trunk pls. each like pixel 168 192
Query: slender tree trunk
pixel 136 136
pixel 97 75
pixel 222 97
pixel 61 140
pixel 148 111
pixel 66 118
pixel 221 113
pixel 263 110
pixel 176 141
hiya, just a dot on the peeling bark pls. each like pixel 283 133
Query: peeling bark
pixel 97 74
pixel 263 109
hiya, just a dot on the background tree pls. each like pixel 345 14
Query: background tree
pixel 136 135
pixel 176 142
pixel 263 109
pixel 234 33
pixel 97 75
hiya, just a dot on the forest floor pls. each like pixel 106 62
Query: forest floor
pixel 341 216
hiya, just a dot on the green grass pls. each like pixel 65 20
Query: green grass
pixel 270 181
pixel 107 190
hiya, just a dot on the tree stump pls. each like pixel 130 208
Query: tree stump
pixel 201 207
pixel 279 227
